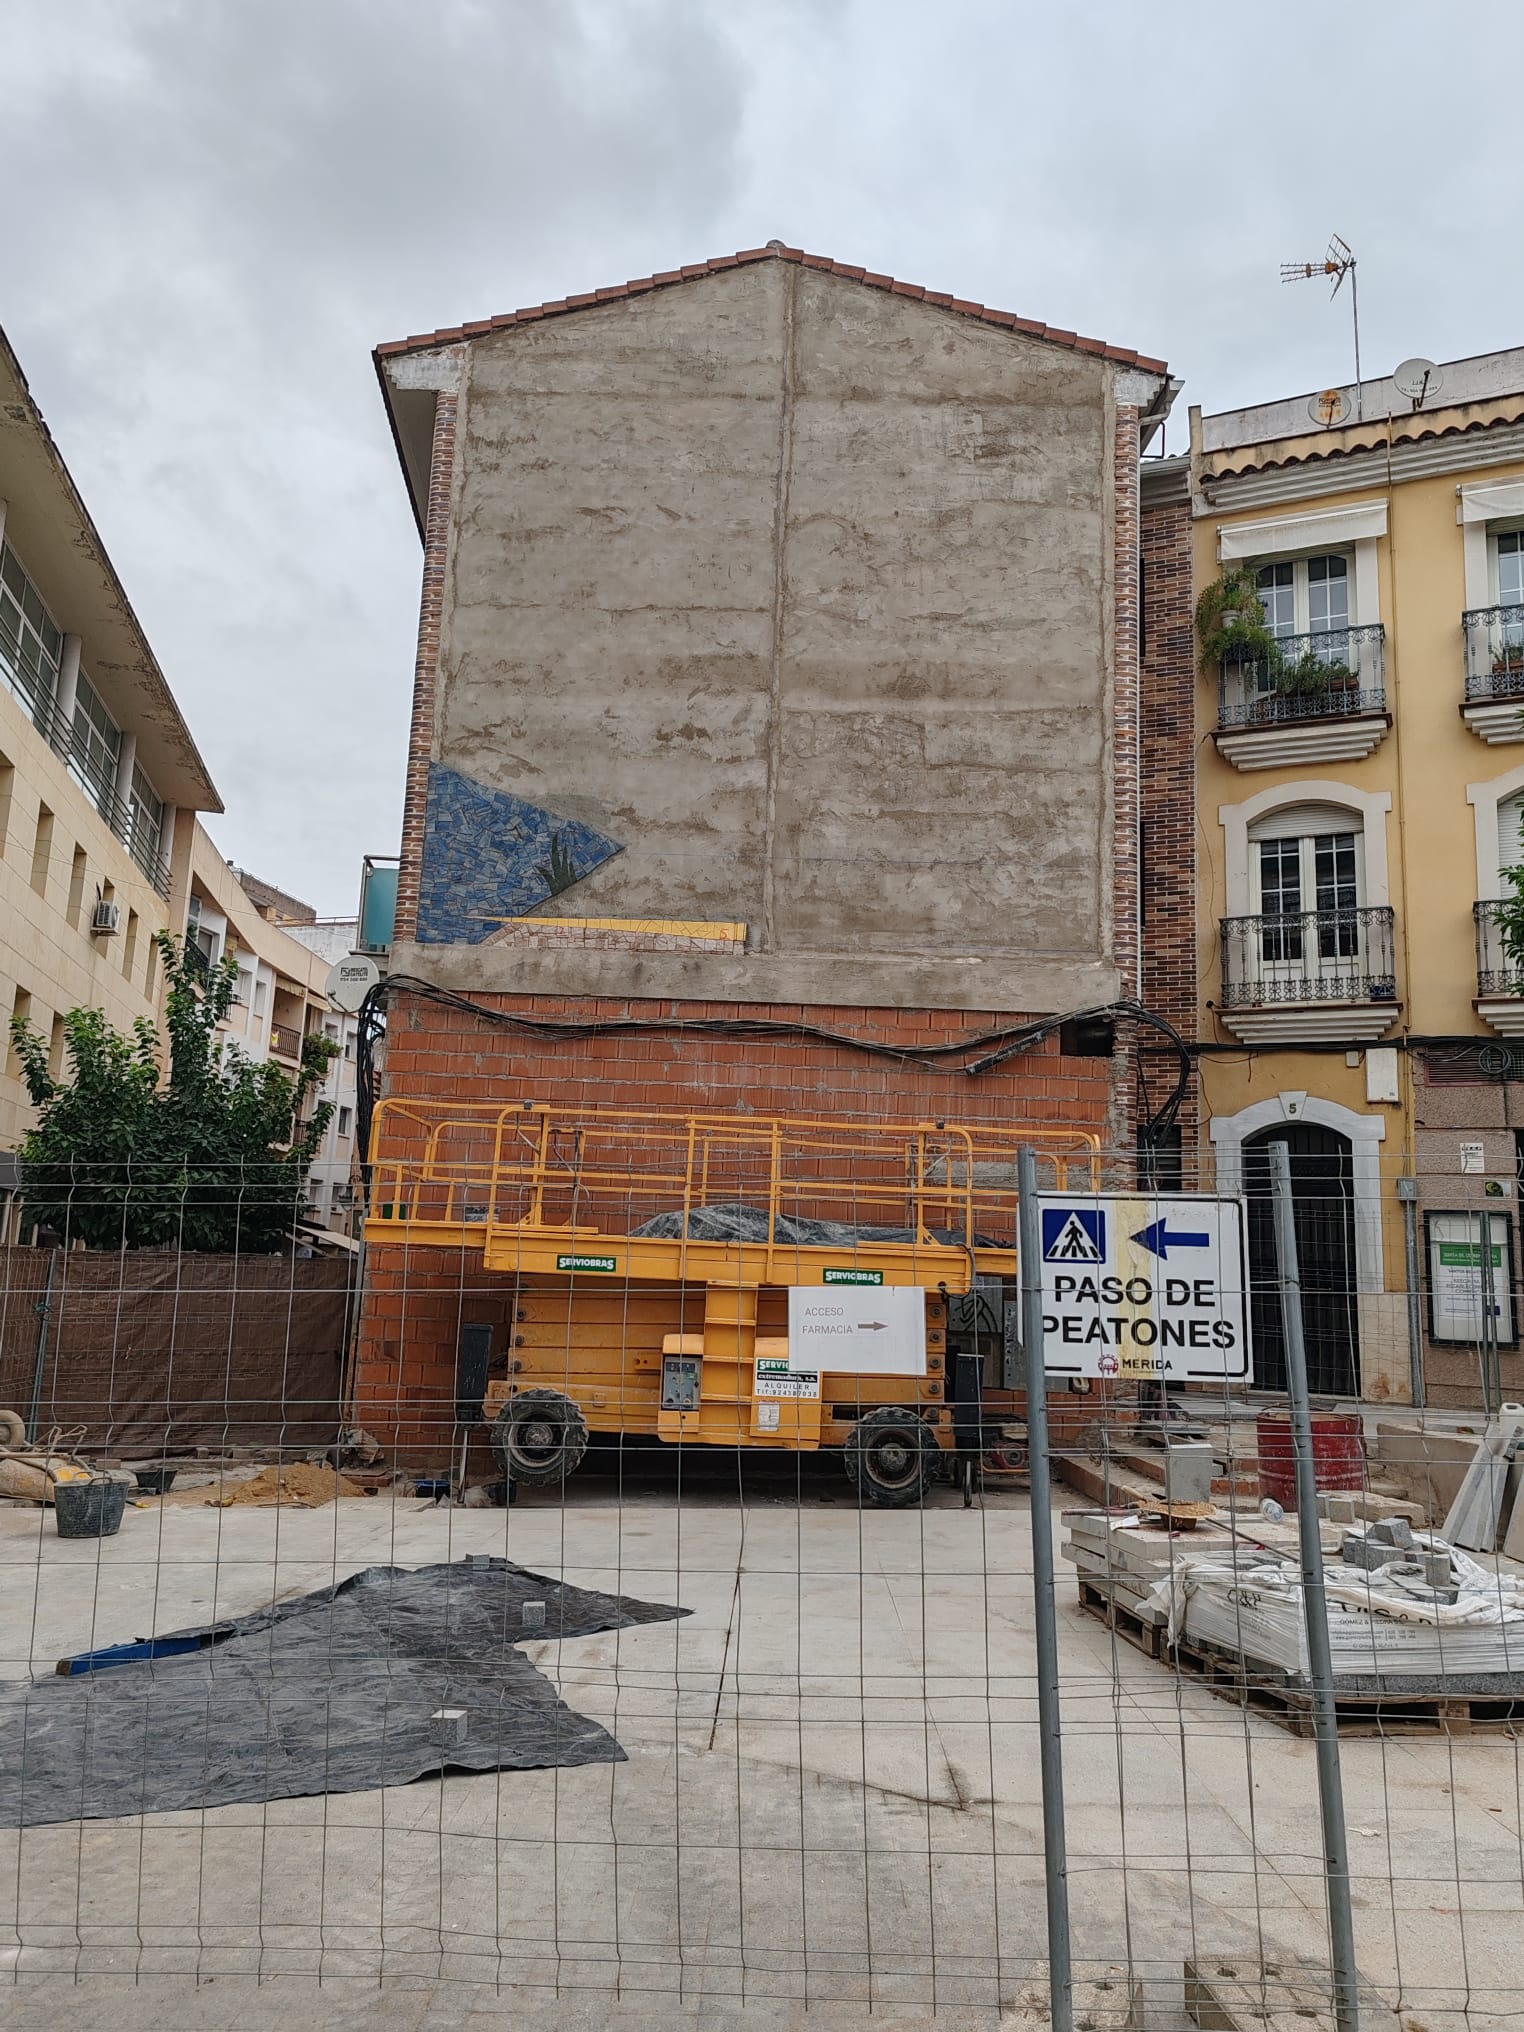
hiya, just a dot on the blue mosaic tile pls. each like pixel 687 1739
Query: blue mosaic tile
pixel 489 855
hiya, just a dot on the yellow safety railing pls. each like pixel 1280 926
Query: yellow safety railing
pixel 567 1171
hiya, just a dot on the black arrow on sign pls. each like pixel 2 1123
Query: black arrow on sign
pixel 873 1326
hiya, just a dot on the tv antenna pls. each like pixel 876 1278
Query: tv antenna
pixel 1338 262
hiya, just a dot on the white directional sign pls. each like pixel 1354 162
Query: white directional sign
pixel 1154 1286
pixel 857 1330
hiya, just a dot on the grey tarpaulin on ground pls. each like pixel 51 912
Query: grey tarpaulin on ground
pixel 331 1693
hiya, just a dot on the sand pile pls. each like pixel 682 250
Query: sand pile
pixel 302 1486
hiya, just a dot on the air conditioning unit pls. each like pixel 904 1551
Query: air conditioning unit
pixel 107 919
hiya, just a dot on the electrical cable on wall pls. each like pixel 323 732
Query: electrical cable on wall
pixel 968 1056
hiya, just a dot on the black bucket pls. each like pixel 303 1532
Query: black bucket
pixel 153 1481
pixel 89 1509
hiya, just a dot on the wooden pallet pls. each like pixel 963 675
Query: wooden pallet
pixel 1149 1638
pixel 1237 1679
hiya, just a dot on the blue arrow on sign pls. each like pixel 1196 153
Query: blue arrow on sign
pixel 1159 1238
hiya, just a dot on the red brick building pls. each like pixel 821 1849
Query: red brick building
pixel 778 665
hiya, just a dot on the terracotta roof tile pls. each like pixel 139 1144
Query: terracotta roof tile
pixel 665 278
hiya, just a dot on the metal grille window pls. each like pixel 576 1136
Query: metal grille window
pixel 145 821
pixel 31 643
pixel 97 747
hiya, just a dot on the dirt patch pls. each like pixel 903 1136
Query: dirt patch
pixel 301 1486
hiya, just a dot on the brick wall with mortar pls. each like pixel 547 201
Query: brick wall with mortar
pixel 1125 761
pixel 417 1299
pixel 1167 729
pixel 436 538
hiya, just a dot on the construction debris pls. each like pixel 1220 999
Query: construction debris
pixel 29 1474
pixel 301 1486
pixel 1402 1603
pixel 1474 1515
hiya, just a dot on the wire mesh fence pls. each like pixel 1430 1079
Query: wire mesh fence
pixel 509 1605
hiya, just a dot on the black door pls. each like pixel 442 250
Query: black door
pixel 1323 1200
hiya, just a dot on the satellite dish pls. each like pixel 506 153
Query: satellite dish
pixel 1329 408
pixel 350 980
pixel 1417 379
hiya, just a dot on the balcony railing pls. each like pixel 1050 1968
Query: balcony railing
pixel 1334 675
pixel 1308 956
pixel 58 731
pixel 1496 972
pixel 1494 653
pixel 285 1040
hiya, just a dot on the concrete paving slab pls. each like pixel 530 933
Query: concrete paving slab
pixel 830 1796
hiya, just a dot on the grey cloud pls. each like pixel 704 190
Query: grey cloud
pixel 211 210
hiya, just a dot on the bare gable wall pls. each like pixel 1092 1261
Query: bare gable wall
pixel 777 599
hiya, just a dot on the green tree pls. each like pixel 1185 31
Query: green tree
pixel 214 1156
pixel 1510 920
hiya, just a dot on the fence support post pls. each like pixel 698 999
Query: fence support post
pixel 1044 1603
pixel 1341 1925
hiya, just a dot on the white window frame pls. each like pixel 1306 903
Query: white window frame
pixel 1369 807
pixel 1355 532
pixel 1484 799
pixel 1485 512
pixel 1301 588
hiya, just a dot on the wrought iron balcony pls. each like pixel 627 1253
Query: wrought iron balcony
pixel 32 688
pixel 1497 973
pixel 1339 673
pixel 1494 653
pixel 1308 956
pixel 286 1040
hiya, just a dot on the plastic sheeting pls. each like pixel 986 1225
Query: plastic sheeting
pixel 333 1692
pixel 734 1221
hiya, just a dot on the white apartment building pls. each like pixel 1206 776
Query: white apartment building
pixel 100 780
pixel 279 1002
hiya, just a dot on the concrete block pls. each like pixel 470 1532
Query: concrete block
pixel 448 1725
pixel 1375 1545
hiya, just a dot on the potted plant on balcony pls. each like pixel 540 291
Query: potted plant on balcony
pixel 1312 676
pixel 1230 622
pixel 1508 662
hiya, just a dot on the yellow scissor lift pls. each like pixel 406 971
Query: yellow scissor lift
pixel 649 1258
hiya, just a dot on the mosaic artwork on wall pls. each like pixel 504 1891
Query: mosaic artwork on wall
pixel 489 856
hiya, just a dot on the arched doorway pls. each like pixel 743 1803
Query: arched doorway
pixel 1323 1199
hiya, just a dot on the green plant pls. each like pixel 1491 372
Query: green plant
pixel 1310 674
pixel 1509 920
pixel 1230 621
pixel 213 1156
pixel 560 870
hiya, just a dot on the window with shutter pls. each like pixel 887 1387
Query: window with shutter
pixel 1511 830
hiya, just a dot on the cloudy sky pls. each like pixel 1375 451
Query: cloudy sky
pixel 211 210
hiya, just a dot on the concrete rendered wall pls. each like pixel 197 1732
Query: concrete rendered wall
pixel 802 593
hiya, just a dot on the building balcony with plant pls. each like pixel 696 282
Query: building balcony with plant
pixel 1493 707
pixel 1289 699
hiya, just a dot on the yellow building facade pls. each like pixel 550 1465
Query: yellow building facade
pixel 1360 786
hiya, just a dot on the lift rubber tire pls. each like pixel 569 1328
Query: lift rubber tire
pixel 539 1438
pixel 890 1456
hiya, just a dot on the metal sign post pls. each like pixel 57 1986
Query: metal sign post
pixel 1045 1608
pixel 1341 1925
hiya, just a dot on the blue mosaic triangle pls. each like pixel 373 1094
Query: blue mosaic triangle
pixel 489 856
